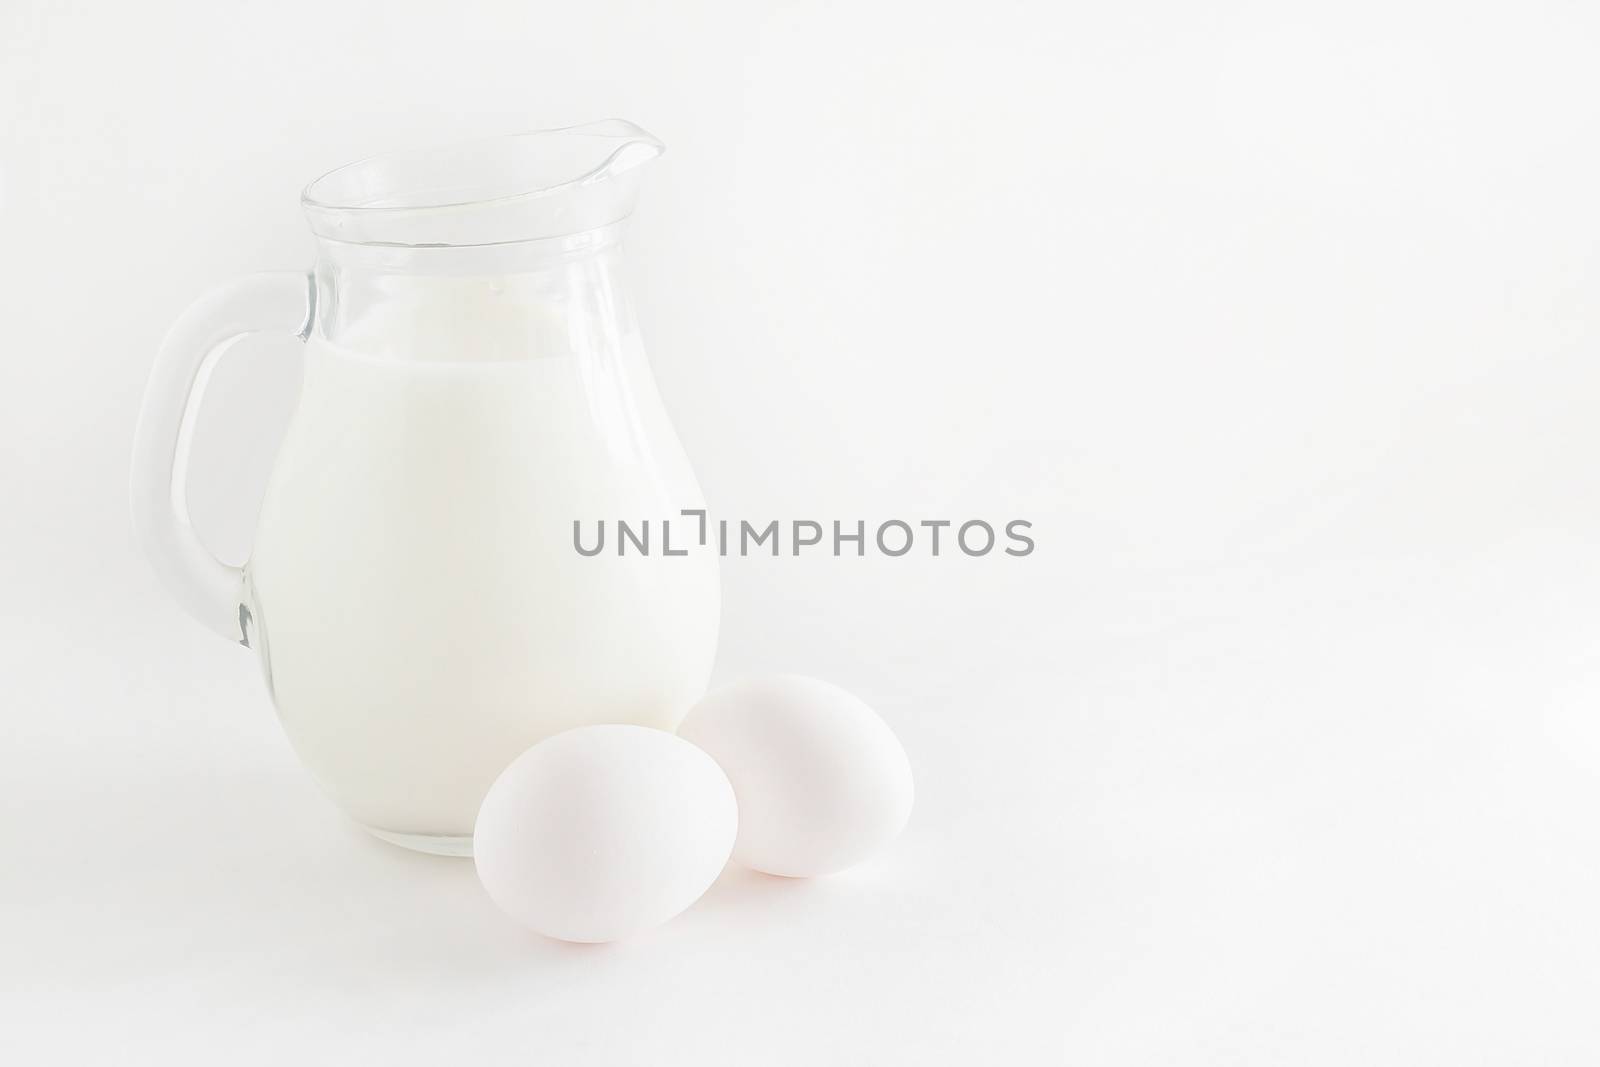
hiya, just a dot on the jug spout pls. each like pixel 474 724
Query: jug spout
pixel 523 187
pixel 630 145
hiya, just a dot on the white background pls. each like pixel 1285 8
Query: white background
pixel 1281 328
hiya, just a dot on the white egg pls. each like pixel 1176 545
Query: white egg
pixel 821 780
pixel 601 832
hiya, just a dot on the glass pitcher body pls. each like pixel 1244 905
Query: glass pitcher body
pixel 474 386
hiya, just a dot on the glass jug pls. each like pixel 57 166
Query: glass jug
pixel 474 385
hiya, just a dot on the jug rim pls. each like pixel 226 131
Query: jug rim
pixel 565 180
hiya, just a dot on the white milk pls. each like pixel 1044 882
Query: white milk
pixel 424 616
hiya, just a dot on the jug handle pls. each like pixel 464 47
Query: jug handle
pixel 210 590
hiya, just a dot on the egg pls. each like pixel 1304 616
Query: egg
pixel 822 783
pixel 602 832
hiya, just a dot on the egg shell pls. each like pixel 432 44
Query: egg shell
pixel 821 780
pixel 602 832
